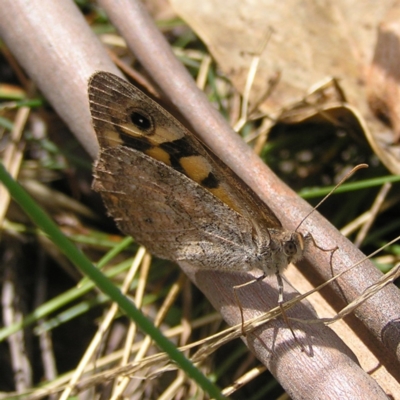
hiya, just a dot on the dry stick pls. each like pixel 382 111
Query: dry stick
pixel 62 77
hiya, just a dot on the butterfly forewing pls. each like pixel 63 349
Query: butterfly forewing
pixel 111 102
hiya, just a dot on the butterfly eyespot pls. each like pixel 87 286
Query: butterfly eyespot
pixel 141 121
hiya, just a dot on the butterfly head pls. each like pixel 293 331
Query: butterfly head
pixel 283 248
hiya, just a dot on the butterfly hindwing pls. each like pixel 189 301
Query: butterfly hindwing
pixel 170 214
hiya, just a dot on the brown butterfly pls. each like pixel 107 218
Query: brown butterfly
pixel 165 188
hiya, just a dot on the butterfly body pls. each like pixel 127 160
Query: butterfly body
pixel 173 195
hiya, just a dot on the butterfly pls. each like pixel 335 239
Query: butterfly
pixel 168 190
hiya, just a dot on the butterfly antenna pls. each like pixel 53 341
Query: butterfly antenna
pixel 347 176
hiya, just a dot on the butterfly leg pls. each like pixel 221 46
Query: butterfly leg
pixel 280 303
pixel 237 287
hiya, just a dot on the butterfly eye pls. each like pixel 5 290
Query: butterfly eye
pixel 290 248
pixel 141 121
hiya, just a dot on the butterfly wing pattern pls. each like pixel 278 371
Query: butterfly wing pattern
pixel 172 194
